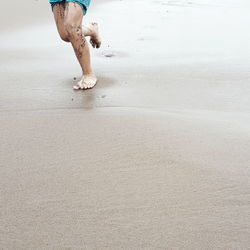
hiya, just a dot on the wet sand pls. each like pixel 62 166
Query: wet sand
pixel 155 157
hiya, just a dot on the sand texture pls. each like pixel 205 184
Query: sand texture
pixel 156 156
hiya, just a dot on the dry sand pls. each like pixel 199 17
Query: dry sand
pixel 155 157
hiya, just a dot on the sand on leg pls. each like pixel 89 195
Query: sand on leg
pixel 92 30
pixel 58 11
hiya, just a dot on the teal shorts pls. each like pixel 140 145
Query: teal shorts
pixel 83 3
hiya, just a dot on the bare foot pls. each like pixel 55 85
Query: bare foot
pixel 95 39
pixel 87 82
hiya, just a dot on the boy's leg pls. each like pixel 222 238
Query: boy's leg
pixel 68 17
pixel 73 26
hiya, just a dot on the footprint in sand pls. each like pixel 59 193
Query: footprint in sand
pixel 109 54
pixel 114 53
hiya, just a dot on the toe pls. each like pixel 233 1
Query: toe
pixel 89 82
pixel 84 86
pixel 78 86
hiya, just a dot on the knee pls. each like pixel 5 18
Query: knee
pixel 64 37
pixel 72 30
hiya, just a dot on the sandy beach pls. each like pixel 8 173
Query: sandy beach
pixel 156 156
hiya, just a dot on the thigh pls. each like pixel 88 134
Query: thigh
pixel 73 14
pixel 59 15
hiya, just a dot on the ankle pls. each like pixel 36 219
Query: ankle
pixel 89 73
